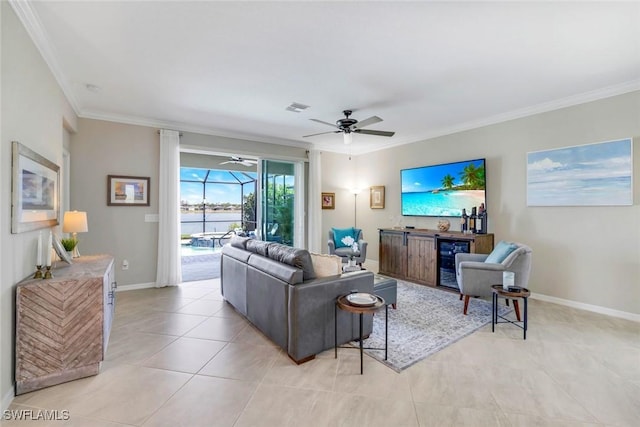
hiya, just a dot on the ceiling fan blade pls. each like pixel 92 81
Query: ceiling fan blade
pixel 374 132
pixel 322 133
pixel 366 122
pixel 224 163
pixel 324 123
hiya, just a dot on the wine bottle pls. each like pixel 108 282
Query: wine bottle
pixel 464 221
pixel 472 220
pixel 481 221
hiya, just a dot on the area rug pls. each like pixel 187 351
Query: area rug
pixel 426 321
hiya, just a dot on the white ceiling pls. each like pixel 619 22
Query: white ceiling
pixel 426 68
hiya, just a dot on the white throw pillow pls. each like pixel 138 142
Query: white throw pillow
pixel 326 265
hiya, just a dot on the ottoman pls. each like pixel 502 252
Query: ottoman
pixel 386 288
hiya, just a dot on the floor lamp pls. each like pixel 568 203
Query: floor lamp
pixel 355 206
pixel 75 222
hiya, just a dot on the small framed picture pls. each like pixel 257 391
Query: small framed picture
pixel 328 200
pixel 127 190
pixel 376 197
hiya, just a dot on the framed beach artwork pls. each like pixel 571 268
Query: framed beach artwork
pixel 35 190
pixel 598 174
pixel 127 190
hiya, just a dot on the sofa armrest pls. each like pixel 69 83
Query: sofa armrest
pixel 312 307
pixel 332 246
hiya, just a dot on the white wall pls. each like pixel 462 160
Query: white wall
pixel 33 111
pixel 589 255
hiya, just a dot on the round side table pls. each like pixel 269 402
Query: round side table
pixel 499 292
pixel 343 304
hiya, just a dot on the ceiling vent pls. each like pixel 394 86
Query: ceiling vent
pixel 296 107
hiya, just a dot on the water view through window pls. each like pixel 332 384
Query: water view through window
pixel 213 202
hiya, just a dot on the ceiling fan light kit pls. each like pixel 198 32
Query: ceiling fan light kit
pixel 240 161
pixel 348 126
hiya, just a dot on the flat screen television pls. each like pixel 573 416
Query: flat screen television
pixel 443 190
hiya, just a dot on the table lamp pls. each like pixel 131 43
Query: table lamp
pixel 75 222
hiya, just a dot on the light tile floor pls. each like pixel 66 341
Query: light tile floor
pixel 183 357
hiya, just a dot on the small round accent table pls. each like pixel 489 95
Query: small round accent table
pixel 343 304
pixel 499 292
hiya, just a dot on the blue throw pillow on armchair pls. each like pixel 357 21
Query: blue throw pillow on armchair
pixel 501 252
pixel 341 233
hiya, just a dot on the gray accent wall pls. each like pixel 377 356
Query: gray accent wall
pixel 589 255
pixel 102 148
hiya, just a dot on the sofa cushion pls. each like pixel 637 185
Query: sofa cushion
pixel 281 271
pixel 239 242
pixel 236 253
pixel 259 247
pixel 501 252
pixel 299 258
pixel 326 265
pixel 340 233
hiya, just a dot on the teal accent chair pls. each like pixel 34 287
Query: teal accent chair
pixel 345 253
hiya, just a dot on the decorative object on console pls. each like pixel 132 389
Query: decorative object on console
pixel 376 197
pixel 328 200
pixel 35 194
pixel 464 221
pixel 60 251
pixel 127 190
pixel 481 221
pixel 75 222
pixel 443 225
pixel 599 174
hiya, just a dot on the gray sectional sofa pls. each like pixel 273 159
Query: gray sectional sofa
pixel 274 286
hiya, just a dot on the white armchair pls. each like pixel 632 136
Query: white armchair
pixel 475 276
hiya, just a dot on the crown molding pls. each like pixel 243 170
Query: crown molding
pixel 570 101
pixel 31 22
pixel 183 127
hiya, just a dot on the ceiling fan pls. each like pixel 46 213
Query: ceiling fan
pixel 347 126
pixel 240 161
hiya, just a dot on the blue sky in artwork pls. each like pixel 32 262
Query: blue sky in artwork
pixel 593 174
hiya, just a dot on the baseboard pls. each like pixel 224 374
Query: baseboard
pixel 588 307
pixel 8 398
pixel 135 286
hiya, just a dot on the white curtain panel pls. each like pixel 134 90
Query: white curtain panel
pixel 314 208
pixel 169 272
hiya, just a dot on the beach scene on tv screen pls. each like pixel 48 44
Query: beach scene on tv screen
pixel 443 190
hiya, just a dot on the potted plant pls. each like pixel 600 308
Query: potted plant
pixel 69 244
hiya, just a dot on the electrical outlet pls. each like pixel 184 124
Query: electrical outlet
pixel 125 264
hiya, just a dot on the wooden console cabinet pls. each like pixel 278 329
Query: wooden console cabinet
pixel 63 323
pixel 412 254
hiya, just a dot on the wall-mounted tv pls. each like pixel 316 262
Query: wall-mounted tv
pixel 443 190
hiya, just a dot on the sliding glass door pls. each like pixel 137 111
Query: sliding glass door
pixel 281 202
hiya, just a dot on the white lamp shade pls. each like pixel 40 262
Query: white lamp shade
pixel 75 222
pixel 348 138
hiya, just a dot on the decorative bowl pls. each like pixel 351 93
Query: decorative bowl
pixel 443 225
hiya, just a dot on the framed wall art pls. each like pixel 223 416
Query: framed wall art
pixel 127 190
pixel 598 174
pixel 35 190
pixel 328 200
pixel 376 197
